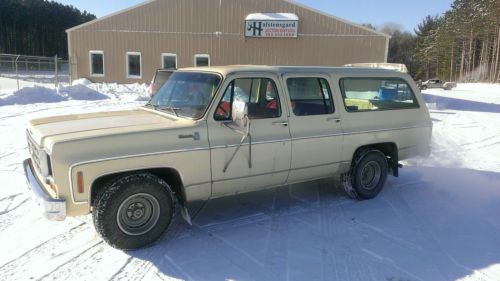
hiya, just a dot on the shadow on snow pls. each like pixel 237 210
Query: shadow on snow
pixel 429 224
pixel 460 104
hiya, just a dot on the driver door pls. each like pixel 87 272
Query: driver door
pixel 270 148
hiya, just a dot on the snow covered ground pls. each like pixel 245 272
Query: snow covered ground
pixel 438 221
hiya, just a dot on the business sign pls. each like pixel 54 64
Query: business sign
pixel 271 25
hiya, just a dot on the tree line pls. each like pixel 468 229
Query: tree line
pixel 37 27
pixel 463 44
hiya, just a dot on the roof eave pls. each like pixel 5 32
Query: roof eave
pixel 108 16
pixel 337 18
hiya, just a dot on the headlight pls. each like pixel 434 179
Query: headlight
pixel 44 163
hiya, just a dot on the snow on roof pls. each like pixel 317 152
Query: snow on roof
pixel 272 16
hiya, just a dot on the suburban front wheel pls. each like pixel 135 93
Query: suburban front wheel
pixel 367 176
pixel 133 211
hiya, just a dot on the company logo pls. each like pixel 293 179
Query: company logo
pixel 255 27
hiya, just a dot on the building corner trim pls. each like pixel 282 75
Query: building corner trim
pixel 386 48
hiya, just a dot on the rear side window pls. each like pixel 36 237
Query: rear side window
pixel 369 94
pixel 310 96
pixel 260 94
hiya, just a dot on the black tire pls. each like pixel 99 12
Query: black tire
pixel 133 211
pixel 423 88
pixel 367 176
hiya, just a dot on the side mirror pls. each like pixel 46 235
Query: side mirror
pixel 239 114
pixel 240 123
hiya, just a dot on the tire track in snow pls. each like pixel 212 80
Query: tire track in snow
pixel 277 254
pixel 7 210
pixel 140 262
pixel 10 197
pixel 330 229
pixel 335 225
pixel 23 262
pixel 243 262
pixel 84 260
pixel 425 236
pixel 10 217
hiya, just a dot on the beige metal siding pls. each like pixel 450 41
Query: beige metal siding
pixel 187 27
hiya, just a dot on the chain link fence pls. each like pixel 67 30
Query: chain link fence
pixel 35 69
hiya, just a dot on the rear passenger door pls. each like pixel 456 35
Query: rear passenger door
pixel 315 127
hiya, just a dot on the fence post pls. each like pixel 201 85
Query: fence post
pixel 17 73
pixel 56 68
pixel 70 70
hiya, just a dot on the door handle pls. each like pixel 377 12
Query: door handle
pixel 336 119
pixel 195 136
pixel 282 123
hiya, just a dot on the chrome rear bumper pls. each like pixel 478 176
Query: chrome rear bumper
pixel 52 209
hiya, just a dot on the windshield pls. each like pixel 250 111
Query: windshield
pixel 186 94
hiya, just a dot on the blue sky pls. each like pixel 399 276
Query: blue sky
pixel 407 13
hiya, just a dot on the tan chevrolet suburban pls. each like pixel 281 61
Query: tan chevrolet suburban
pixel 217 131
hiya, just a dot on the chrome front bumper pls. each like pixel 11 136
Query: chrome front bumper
pixel 52 209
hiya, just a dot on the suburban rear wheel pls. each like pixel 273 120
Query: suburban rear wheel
pixel 367 175
pixel 133 211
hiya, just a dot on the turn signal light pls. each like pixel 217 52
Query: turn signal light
pixel 53 187
pixel 79 179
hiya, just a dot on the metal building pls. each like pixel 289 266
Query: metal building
pixel 128 46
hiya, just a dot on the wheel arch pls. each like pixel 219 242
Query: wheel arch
pixel 389 149
pixel 169 175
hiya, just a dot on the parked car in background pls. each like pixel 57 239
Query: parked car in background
pixel 211 132
pixel 160 77
pixel 436 83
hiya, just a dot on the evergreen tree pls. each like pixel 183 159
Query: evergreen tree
pixel 37 27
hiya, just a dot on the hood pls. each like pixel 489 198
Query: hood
pixel 77 126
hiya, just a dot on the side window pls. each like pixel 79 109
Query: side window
pixel 310 96
pixel 260 94
pixel 367 94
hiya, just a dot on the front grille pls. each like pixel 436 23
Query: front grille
pixel 33 150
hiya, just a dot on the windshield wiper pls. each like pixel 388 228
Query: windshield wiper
pixel 171 108
pixel 149 104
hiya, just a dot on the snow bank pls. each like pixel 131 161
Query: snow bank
pixel 127 92
pixel 82 92
pixel 82 89
pixel 82 81
pixel 31 95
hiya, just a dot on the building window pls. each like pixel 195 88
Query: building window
pixel 169 61
pixel 96 63
pixel 201 60
pixel 310 96
pixel 134 65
